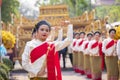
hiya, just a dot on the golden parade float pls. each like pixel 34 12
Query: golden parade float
pixel 55 14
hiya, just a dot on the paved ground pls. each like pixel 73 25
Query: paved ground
pixel 67 74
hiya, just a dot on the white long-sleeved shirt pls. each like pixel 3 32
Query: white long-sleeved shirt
pixel 110 50
pixel 118 49
pixel 95 50
pixel 34 68
pixel 85 51
pixel 79 47
pixel 60 35
pixel 74 47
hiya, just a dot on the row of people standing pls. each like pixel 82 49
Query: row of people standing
pixel 88 55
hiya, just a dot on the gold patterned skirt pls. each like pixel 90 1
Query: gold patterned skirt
pixel 81 62
pixel 75 62
pixel 96 70
pixel 38 78
pixel 112 67
pixel 87 67
pixel 75 59
pixel 86 62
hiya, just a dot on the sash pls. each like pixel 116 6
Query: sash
pixel 102 55
pixel 94 45
pixel 86 46
pixel 74 43
pixel 110 44
pixel 80 43
pixel 53 64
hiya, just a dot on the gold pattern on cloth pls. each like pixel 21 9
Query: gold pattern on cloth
pixel 112 67
pixel 96 70
pixel 75 59
pixel 87 62
pixel 81 60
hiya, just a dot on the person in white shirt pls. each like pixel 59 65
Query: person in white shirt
pixel 86 53
pixel 109 49
pixel 95 50
pixel 80 54
pixel 40 57
pixel 75 52
pixel 118 54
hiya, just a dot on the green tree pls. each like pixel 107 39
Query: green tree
pixel 112 11
pixel 53 2
pixel 9 7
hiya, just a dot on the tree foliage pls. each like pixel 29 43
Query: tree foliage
pixel 112 11
pixel 9 7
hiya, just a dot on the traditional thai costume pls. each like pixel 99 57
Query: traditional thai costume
pixel 111 59
pixel 95 49
pixel 75 55
pixel 87 67
pixel 80 56
pixel 42 57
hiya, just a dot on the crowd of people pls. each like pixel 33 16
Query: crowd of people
pixel 89 53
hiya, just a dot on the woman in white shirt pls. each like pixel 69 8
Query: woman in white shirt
pixel 109 49
pixel 95 50
pixel 40 57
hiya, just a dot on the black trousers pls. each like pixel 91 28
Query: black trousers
pixel 71 57
pixel 64 56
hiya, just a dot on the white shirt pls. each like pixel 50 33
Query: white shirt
pixel 74 48
pixel 118 49
pixel 85 51
pixel 34 68
pixel 93 51
pixel 110 50
pixel 79 47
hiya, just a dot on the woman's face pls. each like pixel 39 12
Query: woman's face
pixel 82 36
pixel 77 36
pixel 97 36
pixel 43 32
pixel 112 34
pixel 89 37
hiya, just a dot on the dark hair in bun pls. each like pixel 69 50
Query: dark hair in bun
pixel 42 22
pixel 33 31
pixel 112 30
pixel 89 34
pixel 82 33
pixel 97 32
